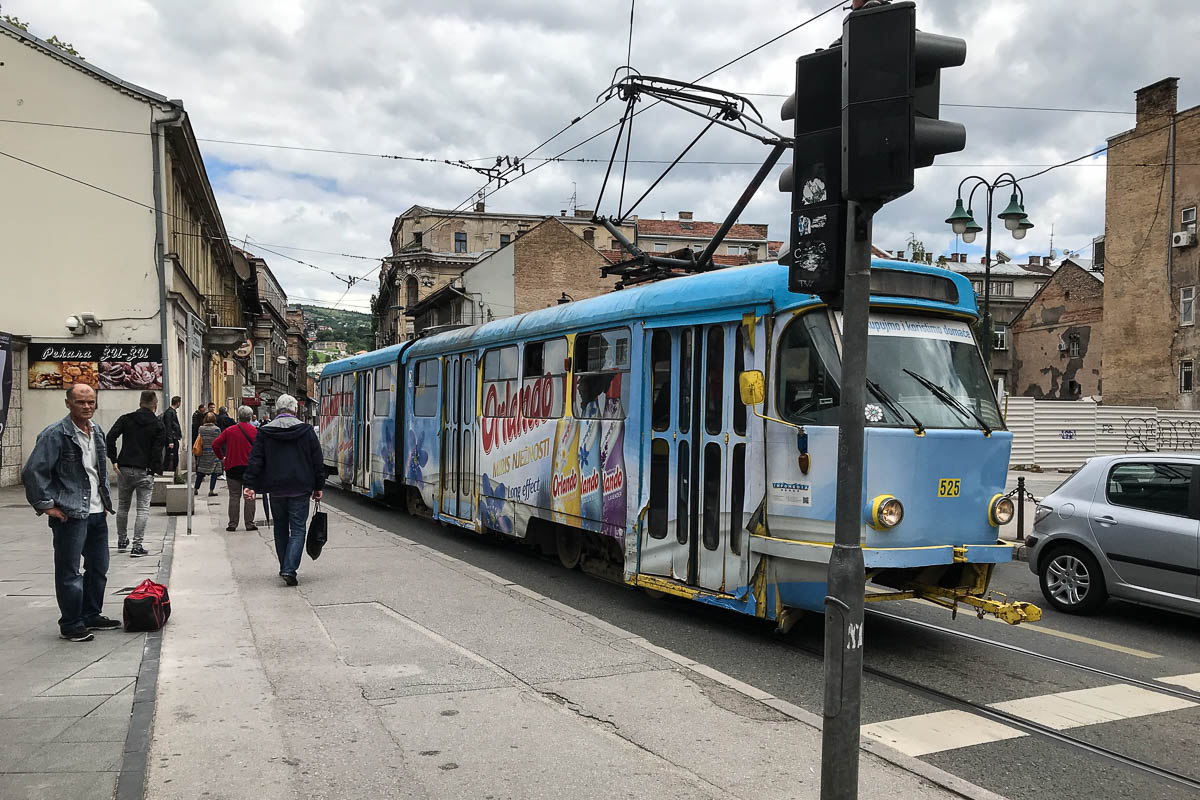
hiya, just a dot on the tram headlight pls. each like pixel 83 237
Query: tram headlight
pixel 886 512
pixel 1001 510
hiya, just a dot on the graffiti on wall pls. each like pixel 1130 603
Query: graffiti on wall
pixel 1151 434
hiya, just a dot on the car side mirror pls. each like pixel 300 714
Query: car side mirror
pixel 752 387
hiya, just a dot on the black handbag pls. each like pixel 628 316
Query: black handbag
pixel 318 533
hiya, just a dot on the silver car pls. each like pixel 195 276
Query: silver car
pixel 1123 526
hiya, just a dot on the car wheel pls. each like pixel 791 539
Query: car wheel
pixel 1071 580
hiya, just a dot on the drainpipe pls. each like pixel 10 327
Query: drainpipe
pixel 1171 219
pixel 160 254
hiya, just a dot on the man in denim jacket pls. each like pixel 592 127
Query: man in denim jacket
pixel 66 478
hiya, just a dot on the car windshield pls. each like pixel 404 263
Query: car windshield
pixel 921 371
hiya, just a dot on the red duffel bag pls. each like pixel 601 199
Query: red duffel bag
pixel 147 607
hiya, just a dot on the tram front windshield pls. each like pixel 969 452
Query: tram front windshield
pixel 910 361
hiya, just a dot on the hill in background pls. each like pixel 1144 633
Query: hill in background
pixel 352 327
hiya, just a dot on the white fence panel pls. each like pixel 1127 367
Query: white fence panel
pixel 1122 429
pixel 1064 433
pixel 1179 431
pixel 1018 418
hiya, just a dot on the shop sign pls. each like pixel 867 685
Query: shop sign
pixel 57 365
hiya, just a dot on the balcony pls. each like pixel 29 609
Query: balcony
pixel 223 316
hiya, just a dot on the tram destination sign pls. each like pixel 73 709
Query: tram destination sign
pixel 57 365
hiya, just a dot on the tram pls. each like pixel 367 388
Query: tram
pixel 683 435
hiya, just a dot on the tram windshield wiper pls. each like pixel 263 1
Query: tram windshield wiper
pixel 892 403
pixel 942 394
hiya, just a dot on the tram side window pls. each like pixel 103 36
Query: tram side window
pixel 602 374
pixel 500 382
pixel 809 380
pixel 544 379
pixel 425 388
pixel 660 384
pixel 714 383
pixel 383 391
pixel 685 380
pixel 739 365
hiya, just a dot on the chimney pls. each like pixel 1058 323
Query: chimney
pixel 583 212
pixel 982 260
pixel 479 207
pixel 1035 261
pixel 685 215
pixel 562 213
pixel 1156 101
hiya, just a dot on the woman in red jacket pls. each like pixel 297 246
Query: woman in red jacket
pixel 233 448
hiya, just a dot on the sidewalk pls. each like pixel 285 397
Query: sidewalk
pixel 64 707
pixel 394 671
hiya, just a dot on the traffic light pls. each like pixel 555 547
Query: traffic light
pixel 890 101
pixel 817 238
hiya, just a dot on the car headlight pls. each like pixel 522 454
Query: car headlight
pixel 1000 510
pixel 886 512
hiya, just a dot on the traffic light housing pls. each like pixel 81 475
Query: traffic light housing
pixel 891 101
pixel 816 254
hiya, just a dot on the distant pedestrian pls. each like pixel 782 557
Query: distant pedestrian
pixel 141 434
pixel 66 478
pixel 223 419
pixel 233 448
pixel 198 420
pixel 173 435
pixel 207 462
pixel 286 463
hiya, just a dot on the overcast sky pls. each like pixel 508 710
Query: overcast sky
pixel 472 79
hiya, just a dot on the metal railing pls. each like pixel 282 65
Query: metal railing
pixel 223 311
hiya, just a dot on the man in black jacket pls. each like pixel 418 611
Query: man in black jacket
pixel 142 435
pixel 197 420
pixel 286 463
pixel 223 419
pixel 173 433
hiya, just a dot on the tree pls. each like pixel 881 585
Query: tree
pixel 66 47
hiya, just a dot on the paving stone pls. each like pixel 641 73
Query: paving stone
pixel 73 757
pixel 89 686
pixel 107 728
pixel 60 786
pixel 54 707
pixel 38 729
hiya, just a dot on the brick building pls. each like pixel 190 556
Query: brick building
pixel 1057 338
pixel 535 271
pixel 744 244
pixel 1151 261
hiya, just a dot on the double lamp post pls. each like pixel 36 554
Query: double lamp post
pixel 963 223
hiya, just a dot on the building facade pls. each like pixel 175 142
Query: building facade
pixel 1057 338
pixel 297 354
pixel 155 302
pixel 269 338
pixel 1151 259
pixel 744 244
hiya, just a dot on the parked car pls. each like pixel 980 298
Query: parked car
pixel 1124 526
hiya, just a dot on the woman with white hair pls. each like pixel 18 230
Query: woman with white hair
pixel 286 463
pixel 233 448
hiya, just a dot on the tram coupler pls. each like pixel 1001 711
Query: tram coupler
pixel 1013 612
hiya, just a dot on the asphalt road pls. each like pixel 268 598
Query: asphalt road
pixel 1133 642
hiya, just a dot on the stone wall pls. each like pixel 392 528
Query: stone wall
pixel 551 260
pixel 1068 310
pixel 10 442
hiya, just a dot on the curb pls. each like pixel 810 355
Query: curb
pixel 934 775
pixel 131 782
pixel 1020 551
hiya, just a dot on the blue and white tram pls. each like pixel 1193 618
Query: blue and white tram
pixel 612 431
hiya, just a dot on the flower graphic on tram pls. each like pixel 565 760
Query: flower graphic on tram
pixel 492 506
pixel 418 457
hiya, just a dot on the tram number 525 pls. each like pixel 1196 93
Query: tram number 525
pixel 948 487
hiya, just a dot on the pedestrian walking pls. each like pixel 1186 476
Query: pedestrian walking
pixel 233 448
pixel 173 433
pixel 66 478
pixel 141 434
pixel 286 463
pixel 198 420
pixel 223 419
pixel 207 462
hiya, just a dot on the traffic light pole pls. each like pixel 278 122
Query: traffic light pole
pixel 846 579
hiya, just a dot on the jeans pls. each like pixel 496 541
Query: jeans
pixel 133 481
pixel 291 518
pixel 212 484
pixel 80 595
pixel 236 500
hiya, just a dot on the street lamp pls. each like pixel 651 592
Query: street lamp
pixel 962 222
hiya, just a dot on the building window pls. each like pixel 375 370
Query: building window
pixel 505 239
pixel 977 286
pixel 260 358
pixel 1098 253
pixel 417 238
pixel 614 245
pixel 1188 218
pixel 660 247
pixel 734 250
pixel 1187 305
pixel 1000 339
pixel 589 236
pixel 1073 347
pixel 1185 376
pixel 460 242
pixel 1002 288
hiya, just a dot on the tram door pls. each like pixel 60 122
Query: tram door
pixel 698 457
pixel 466 453
pixel 458 437
pixel 362 428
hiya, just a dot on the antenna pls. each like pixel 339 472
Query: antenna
pixel 1053 255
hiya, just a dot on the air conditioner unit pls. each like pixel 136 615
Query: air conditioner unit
pixel 1183 238
pixel 1062 346
pixel 213 319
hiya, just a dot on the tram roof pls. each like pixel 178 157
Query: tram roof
pixel 758 286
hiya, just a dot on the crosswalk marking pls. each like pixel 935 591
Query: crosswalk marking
pixel 949 730
pixel 1190 681
pixel 943 730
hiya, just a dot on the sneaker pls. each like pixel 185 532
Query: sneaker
pixel 137 550
pixel 290 579
pixel 231 527
pixel 250 526
pixel 77 635
pixel 122 544
pixel 212 494
pixel 103 624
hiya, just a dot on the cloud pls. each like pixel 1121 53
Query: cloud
pixel 473 79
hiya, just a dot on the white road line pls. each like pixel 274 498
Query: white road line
pixel 1092 706
pixel 1190 681
pixel 943 730
pixel 949 730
